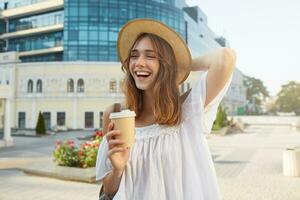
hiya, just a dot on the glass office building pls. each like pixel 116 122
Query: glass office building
pixel 91 27
pixel 87 30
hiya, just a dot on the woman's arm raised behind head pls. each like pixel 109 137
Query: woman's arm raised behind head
pixel 220 64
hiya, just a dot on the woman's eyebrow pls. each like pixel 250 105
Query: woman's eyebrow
pixel 149 51
pixel 146 50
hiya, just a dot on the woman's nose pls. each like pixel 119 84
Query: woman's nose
pixel 140 61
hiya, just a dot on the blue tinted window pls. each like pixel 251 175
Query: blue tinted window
pixel 36 42
pixel 73 35
pixel 36 21
pixel 98 29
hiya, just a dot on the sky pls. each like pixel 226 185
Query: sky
pixel 264 33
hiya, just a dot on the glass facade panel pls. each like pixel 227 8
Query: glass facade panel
pixel 43 58
pixel 36 21
pixel 36 42
pixel 2 26
pixel 91 27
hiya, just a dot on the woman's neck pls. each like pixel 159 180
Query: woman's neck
pixel 147 113
pixel 148 103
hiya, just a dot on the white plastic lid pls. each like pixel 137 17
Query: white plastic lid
pixel 123 113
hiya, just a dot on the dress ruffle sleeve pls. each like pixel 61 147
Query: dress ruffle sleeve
pixel 103 164
pixel 194 104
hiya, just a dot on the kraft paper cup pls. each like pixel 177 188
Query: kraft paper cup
pixel 125 122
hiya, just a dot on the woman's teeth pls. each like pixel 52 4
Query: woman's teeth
pixel 142 74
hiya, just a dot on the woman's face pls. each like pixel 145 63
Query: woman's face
pixel 144 64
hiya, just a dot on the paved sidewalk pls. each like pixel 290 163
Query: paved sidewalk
pixel 248 166
pixel 16 185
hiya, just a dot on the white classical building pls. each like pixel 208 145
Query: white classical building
pixel 235 100
pixel 70 95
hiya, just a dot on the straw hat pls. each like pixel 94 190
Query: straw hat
pixel 132 29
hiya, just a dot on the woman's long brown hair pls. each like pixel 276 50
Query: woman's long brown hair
pixel 167 104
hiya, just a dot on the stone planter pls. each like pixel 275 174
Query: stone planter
pixel 291 162
pixel 59 128
pixel 222 131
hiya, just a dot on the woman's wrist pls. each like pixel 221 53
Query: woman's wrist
pixel 214 58
pixel 117 173
pixel 111 183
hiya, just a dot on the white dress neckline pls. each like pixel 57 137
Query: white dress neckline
pixel 145 127
pixel 154 130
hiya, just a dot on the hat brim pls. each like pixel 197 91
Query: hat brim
pixel 132 29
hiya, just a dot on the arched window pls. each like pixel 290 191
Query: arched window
pixel 39 86
pixel 113 85
pixel 70 85
pixel 30 86
pixel 80 85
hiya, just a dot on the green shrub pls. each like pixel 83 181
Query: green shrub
pixel 221 119
pixel 40 126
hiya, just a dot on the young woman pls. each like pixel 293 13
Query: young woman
pixel 170 158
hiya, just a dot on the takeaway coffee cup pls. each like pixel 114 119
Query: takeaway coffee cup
pixel 125 122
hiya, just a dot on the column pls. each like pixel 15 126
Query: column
pixel 7 128
pixel 74 117
pixel 33 114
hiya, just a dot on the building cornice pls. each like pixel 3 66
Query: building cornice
pixel 41 51
pixel 36 8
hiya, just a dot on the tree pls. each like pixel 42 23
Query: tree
pixel 256 93
pixel 40 126
pixel 289 98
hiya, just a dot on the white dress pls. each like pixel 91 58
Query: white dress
pixel 170 163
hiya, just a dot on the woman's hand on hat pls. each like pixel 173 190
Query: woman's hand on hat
pixel 117 154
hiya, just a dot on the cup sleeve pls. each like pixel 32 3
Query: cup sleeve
pixel 103 164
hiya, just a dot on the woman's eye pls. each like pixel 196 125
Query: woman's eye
pixel 151 56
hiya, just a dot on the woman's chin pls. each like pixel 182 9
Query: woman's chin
pixel 142 87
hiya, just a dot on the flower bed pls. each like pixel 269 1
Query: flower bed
pixel 67 154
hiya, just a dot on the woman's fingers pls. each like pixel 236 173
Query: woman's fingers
pixel 115 142
pixel 111 134
pixel 115 150
pixel 110 126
